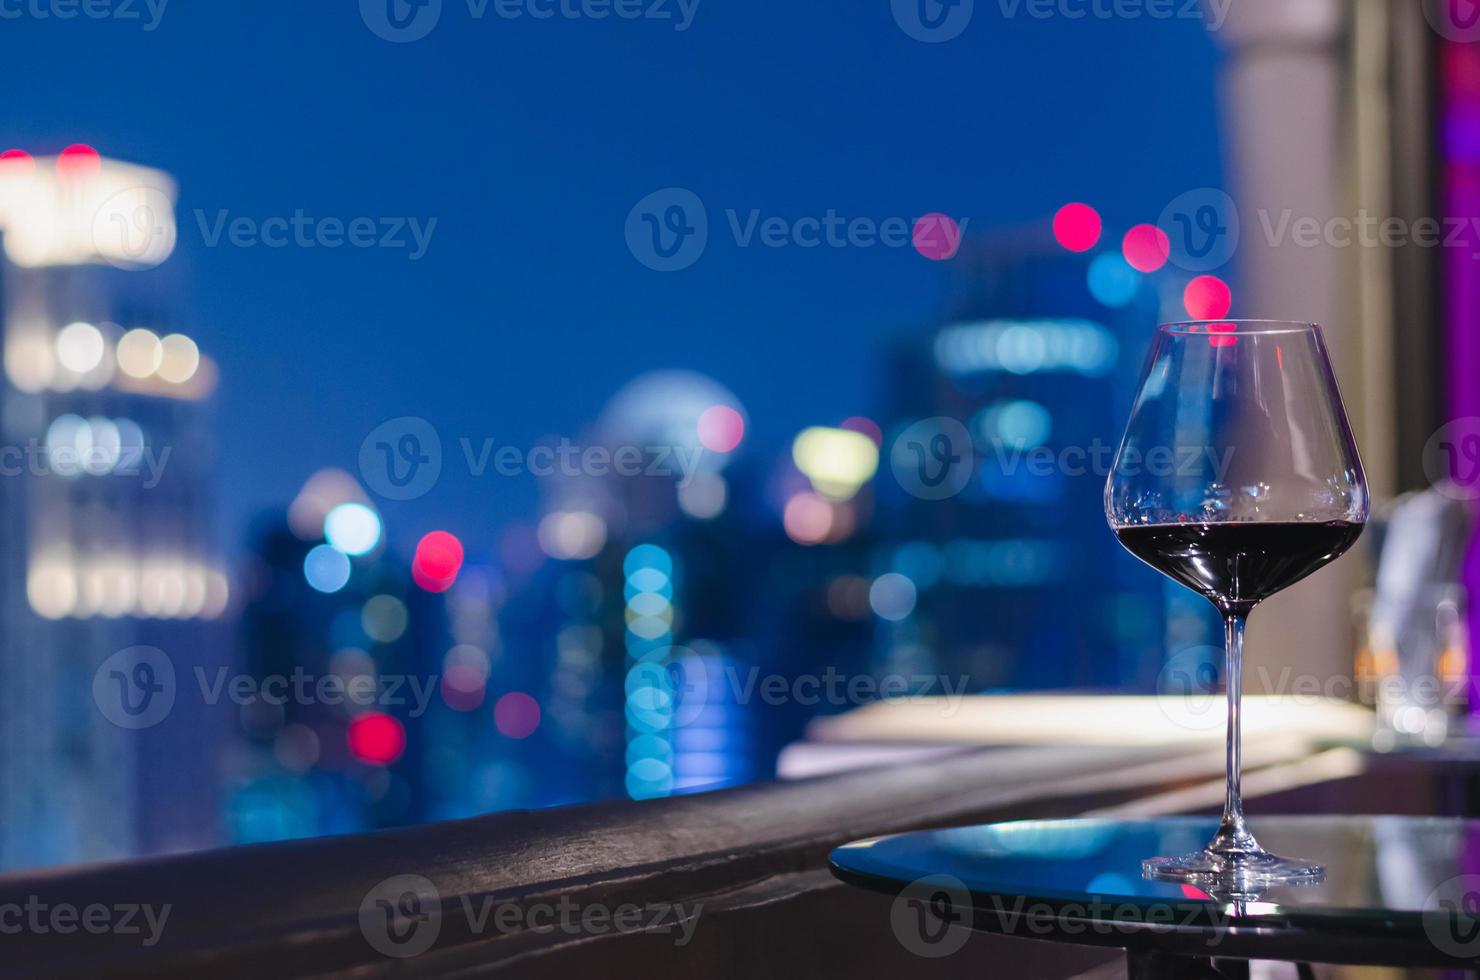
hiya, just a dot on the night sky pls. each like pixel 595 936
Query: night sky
pixel 529 141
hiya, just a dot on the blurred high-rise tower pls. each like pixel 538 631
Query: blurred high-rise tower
pixel 105 480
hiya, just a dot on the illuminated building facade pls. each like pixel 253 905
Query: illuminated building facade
pixel 105 487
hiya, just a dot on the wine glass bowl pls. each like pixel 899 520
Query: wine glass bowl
pixel 1237 477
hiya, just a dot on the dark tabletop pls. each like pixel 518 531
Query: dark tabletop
pixel 1397 890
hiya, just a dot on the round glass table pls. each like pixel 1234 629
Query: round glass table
pixel 1397 891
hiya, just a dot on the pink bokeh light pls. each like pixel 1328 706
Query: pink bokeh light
pixel 1077 227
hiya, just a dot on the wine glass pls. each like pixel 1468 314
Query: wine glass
pixel 1237 476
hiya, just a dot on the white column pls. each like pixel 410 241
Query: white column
pixel 1282 93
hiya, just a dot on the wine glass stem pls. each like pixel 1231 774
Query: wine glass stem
pixel 1233 835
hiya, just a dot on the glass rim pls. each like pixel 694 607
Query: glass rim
pixel 1240 327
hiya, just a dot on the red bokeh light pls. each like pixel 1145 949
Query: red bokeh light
pixel 866 427
pixel 721 428
pixel 1207 298
pixel 516 715
pixel 376 738
pixel 1216 328
pixel 17 163
pixel 1077 227
pixel 1146 248
pixel 79 160
pixel 439 557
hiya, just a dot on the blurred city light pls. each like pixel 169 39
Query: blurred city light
pixel 80 347
pixel 116 583
pixel 1077 227
pixel 516 715
pixel 438 559
pixel 353 528
pixel 376 738
pixel 326 568
pixel 892 596
pixel 650 697
pixel 78 208
pixel 1146 248
pixel 139 353
pixel 572 535
pixel 384 618
pixel 721 428
pixel 1112 281
pixel 837 461
pixel 1027 347
pixel 1017 424
pixel 1207 298
pixel 807 518
pixel 703 497
pixel 321 493
pixel 79 161
pixel 179 359
pixel 864 426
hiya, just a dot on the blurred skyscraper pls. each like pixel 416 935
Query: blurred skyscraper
pixel 1036 364
pixel 105 493
pixel 374 698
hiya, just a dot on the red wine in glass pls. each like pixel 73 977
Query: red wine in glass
pixel 1238 476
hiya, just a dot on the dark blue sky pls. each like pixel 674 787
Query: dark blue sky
pixel 529 141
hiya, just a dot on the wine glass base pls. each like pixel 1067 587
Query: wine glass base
pixel 1234 869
